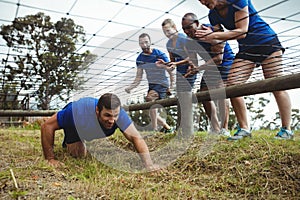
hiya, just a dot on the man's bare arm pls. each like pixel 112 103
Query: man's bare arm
pixel 137 80
pixel 47 138
pixel 132 134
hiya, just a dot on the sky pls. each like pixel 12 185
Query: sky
pixel 112 28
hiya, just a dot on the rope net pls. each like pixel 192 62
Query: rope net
pixel 112 28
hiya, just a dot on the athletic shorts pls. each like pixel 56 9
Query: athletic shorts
pixel 260 52
pixel 185 84
pixel 160 89
pixel 212 78
pixel 66 122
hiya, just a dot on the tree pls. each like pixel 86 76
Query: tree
pixel 201 117
pixel 45 57
pixel 275 123
pixel 256 107
pixel 141 118
pixel 8 98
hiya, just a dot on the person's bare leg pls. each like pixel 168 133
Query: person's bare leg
pixel 272 67
pixel 224 113
pixel 240 111
pixel 162 122
pixel 223 105
pixel 239 74
pixel 211 112
pixel 153 117
pixel 185 102
pixel 284 105
pixel 151 96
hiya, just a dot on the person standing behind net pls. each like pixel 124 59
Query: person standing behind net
pixel 218 57
pixel 179 59
pixel 157 79
pixel 178 54
pixel 258 45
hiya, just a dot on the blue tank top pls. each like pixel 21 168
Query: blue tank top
pixel 259 32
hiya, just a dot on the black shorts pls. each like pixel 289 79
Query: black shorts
pixel 185 84
pixel 65 117
pixel 160 89
pixel 213 77
pixel 258 53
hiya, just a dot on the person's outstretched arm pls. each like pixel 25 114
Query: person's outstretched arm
pixel 241 20
pixel 137 80
pixel 47 138
pixel 132 135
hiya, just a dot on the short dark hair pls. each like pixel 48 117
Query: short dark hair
pixel 145 35
pixel 109 101
pixel 192 15
pixel 168 21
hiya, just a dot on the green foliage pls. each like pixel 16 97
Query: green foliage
pixel 9 97
pixel 169 115
pixel 51 65
pixel 295 119
pixel 276 122
pixel 232 119
pixel 141 119
pixel 201 118
pixel 256 108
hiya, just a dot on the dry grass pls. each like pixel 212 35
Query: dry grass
pixel 257 168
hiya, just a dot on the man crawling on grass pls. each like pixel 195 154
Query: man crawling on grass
pixel 87 119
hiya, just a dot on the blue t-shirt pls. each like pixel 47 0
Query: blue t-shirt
pixel 178 52
pixel 154 74
pixel 79 117
pixel 203 49
pixel 259 32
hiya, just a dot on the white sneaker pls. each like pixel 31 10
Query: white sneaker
pixel 224 132
pixel 285 134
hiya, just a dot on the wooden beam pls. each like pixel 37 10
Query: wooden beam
pixel 22 113
pixel 262 86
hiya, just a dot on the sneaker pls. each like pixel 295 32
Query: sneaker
pixel 285 134
pixel 170 131
pixel 162 130
pixel 167 131
pixel 240 134
pixel 224 132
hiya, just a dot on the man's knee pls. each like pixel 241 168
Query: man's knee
pixel 152 95
pixel 77 149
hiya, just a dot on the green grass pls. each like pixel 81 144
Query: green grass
pixel 210 168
